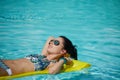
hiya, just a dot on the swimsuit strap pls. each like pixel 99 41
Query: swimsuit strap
pixel 54 61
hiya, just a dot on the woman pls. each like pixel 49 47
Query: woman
pixel 56 52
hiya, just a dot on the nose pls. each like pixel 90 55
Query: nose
pixel 51 43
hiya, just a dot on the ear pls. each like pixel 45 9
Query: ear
pixel 63 51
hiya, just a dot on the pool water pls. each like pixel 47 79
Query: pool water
pixel 92 25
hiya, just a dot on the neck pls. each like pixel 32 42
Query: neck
pixel 53 56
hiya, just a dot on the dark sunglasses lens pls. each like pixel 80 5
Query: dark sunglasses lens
pixel 56 42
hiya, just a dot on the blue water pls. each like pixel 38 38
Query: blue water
pixel 92 25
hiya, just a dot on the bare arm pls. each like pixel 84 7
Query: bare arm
pixel 44 51
pixel 56 68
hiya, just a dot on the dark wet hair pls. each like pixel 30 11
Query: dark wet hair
pixel 69 47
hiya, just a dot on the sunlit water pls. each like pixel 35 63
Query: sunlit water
pixel 92 25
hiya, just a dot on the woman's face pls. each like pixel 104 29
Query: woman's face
pixel 56 46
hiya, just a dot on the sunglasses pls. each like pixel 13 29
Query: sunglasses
pixel 55 42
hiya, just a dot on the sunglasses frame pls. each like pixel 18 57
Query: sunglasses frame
pixel 55 42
